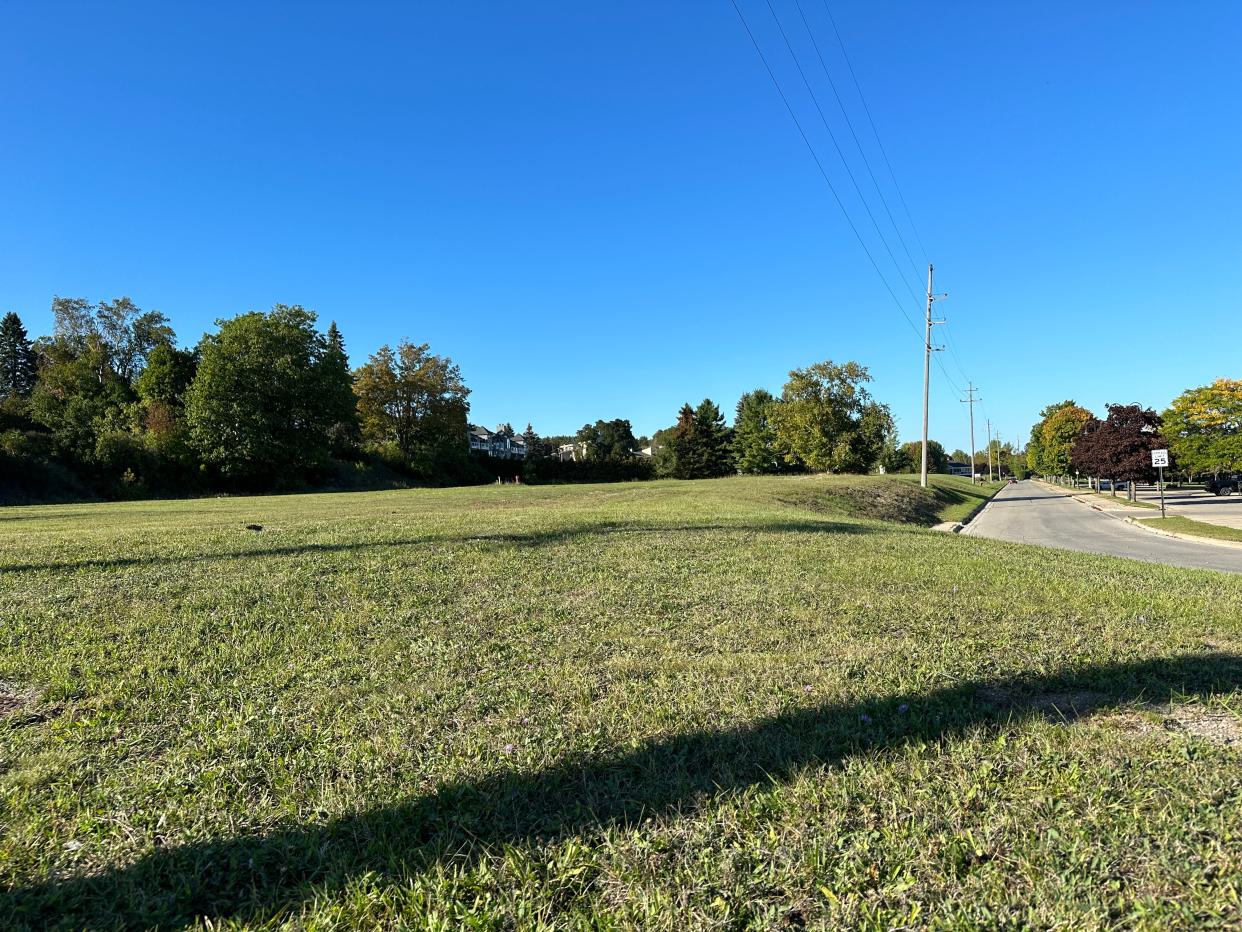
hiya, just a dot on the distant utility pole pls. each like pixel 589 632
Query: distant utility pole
pixel 928 349
pixel 989 428
pixel 970 399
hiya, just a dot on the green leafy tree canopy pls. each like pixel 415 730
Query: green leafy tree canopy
pixel 263 399
pixel 828 421
pixel 1204 427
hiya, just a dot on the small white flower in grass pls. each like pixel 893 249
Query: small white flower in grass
pixel 509 748
pixel 72 845
pixel 806 688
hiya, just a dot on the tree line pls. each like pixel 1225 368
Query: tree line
pixel 824 420
pixel 108 404
pixel 1201 429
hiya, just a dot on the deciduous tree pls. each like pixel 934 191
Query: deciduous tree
pixel 1119 447
pixel 1053 439
pixel 608 439
pixel 912 454
pixel 828 421
pixel 262 401
pixel 1204 427
pixel 415 402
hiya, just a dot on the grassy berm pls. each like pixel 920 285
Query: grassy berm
pixel 744 703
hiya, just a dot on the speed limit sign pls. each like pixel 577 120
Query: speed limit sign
pixel 1159 460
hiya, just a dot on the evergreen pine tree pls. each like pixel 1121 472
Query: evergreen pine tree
pixel 534 446
pixel 340 402
pixel 17 359
pixel 713 439
pixel 684 456
pixel 755 449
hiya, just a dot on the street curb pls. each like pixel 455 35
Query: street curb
pixel 963 526
pixel 1097 507
pixel 1133 522
pixel 949 527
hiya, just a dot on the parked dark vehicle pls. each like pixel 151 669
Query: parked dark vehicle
pixel 1224 484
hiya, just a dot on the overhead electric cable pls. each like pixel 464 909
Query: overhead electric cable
pixel 820 165
pixel 953 352
pixel 823 65
pixel 840 154
pixel 874 131
pixel 828 181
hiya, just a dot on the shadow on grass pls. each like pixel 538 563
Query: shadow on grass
pixel 528 539
pixel 259 877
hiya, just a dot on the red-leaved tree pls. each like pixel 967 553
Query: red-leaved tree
pixel 1119 447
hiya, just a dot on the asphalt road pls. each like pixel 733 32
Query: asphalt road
pixel 1028 513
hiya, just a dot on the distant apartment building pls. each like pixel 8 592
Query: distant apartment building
pixel 577 452
pixel 571 452
pixel 500 446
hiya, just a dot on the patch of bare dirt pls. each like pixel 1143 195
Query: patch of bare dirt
pixel 1215 726
pixel 19 707
pixel 12 699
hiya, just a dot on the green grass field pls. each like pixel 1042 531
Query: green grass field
pixel 1120 500
pixel 741 703
pixel 1180 525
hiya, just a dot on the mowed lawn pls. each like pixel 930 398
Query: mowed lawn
pixel 738 703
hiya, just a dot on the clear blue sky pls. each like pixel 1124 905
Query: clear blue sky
pixel 603 210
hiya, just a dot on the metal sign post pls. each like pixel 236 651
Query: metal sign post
pixel 1160 459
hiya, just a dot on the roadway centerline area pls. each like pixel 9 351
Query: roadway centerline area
pixel 1028 513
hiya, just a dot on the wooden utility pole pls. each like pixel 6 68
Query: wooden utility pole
pixel 928 349
pixel 989 428
pixel 970 399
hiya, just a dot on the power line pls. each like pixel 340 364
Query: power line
pixel 828 181
pixel 850 123
pixel 841 155
pixel 875 132
pixel 953 352
pixel 820 165
pixel 948 378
